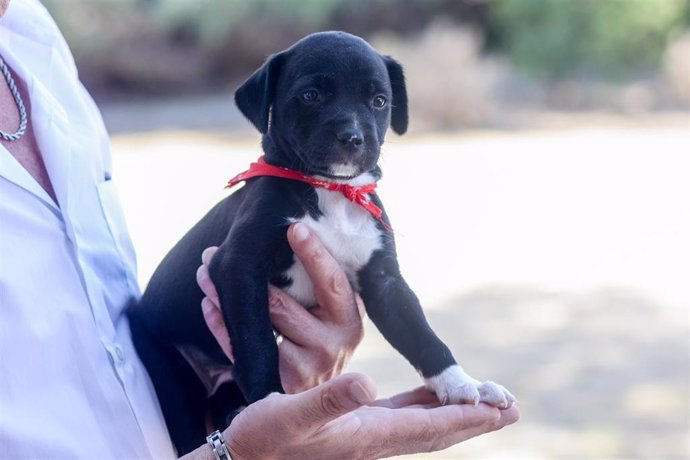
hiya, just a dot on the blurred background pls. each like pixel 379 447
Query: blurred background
pixel 540 199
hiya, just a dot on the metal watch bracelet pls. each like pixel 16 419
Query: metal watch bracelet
pixel 217 443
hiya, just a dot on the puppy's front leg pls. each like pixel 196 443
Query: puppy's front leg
pixel 397 313
pixel 240 272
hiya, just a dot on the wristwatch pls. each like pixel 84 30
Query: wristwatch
pixel 217 443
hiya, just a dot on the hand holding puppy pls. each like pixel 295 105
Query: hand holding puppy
pixel 318 342
pixel 340 419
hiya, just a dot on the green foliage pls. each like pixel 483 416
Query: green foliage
pixel 93 26
pixel 212 19
pixel 552 38
pixel 599 38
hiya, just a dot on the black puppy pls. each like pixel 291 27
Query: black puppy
pixel 323 107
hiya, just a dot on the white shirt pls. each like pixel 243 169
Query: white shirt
pixel 71 385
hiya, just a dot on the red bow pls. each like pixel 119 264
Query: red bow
pixel 357 195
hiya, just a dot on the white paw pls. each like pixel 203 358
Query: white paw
pixel 454 386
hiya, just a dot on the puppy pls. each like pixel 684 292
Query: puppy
pixel 323 107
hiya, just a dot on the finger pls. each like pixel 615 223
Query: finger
pixel 204 281
pixel 414 430
pixel 215 323
pixel 207 287
pixel 328 401
pixel 458 422
pixel 360 306
pixel 293 320
pixel 408 431
pixel 510 415
pixel 419 396
pixel 332 288
pixel 295 374
pixel 507 417
pixel 207 255
pixel 449 418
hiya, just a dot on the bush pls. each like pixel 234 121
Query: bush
pixel 449 82
pixel 592 38
pixel 167 45
pixel 212 20
pixel 677 67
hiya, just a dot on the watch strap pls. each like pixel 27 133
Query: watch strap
pixel 217 443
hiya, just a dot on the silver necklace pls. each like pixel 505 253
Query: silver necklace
pixel 20 105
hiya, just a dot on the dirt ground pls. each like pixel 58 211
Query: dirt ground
pixel 554 261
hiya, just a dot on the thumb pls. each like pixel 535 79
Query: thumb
pixel 334 398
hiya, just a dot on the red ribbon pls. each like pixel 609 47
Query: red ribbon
pixel 357 195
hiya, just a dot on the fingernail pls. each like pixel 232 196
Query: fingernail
pixel 301 232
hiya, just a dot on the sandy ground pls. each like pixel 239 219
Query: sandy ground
pixel 555 262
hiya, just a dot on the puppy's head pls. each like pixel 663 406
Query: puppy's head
pixel 324 104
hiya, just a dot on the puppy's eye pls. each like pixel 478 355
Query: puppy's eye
pixel 310 96
pixel 379 101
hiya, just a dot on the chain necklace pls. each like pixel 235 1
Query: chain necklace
pixel 20 105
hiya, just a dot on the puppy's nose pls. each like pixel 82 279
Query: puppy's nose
pixel 351 137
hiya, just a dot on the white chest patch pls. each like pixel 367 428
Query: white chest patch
pixel 347 230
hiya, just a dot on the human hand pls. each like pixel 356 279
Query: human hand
pixel 340 419
pixel 317 342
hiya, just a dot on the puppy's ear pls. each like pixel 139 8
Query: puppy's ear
pixel 255 97
pixel 399 118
